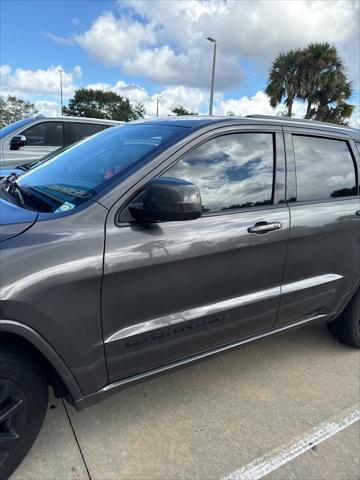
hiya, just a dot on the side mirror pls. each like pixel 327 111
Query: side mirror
pixel 17 142
pixel 167 199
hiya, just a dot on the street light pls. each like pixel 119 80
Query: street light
pixel 212 40
pixel 61 95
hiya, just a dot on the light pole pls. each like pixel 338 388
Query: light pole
pixel 157 106
pixel 61 95
pixel 212 40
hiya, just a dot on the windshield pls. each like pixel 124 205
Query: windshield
pixel 29 166
pixel 14 126
pixel 80 172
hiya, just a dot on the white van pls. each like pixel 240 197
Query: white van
pixel 31 138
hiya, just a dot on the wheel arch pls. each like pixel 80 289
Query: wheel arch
pixel 57 372
pixel 347 300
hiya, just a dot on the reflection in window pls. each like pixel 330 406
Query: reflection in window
pixel 95 163
pixel 233 171
pixel 324 168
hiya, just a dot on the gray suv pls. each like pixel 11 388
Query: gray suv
pixel 161 242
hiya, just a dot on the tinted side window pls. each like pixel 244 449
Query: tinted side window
pixel 45 134
pixel 233 171
pixel 81 130
pixel 324 168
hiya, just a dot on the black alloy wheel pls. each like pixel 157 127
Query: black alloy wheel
pixel 23 405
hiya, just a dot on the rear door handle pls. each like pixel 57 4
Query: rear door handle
pixel 264 227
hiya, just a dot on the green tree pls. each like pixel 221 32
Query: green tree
pixel 283 83
pixel 13 109
pixel 315 75
pixel 179 110
pixel 324 84
pixel 102 104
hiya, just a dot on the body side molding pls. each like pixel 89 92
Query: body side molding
pixel 218 307
pixel 92 398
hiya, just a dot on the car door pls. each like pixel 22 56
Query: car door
pixel 41 139
pixel 323 258
pixel 173 290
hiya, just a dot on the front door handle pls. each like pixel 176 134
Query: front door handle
pixel 264 227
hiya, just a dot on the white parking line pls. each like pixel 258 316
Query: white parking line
pixel 300 444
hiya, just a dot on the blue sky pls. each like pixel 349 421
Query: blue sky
pixel 23 44
pixel 148 48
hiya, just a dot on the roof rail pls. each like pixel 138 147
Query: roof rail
pixel 297 120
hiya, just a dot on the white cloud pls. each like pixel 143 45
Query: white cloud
pixel 193 99
pixel 42 88
pixel 355 118
pixel 114 40
pixel 162 65
pixel 168 45
pixel 5 70
pixel 48 108
pixel 135 47
pixel 38 82
pixel 257 104
pixel 58 39
pixel 197 100
pixel 251 27
pixel 133 92
pixel 76 21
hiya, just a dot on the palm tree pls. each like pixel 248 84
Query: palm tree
pixel 283 83
pixel 323 78
pixel 316 75
pixel 331 100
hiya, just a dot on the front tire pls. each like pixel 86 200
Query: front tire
pixel 23 405
pixel 347 326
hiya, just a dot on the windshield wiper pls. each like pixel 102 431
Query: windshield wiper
pixel 14 189
pixel 24 167
pixel 28 166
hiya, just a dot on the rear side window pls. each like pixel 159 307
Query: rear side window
pixel 45 134
pixel 232 171
pixel 324 168
pixel 81 130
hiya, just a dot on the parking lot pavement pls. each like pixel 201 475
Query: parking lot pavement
pixel 339 456
pixel 213 418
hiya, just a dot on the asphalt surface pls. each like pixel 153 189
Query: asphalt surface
pixel 215 418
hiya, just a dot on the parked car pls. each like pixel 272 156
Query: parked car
pixel 25 167
pixel 162 242
pixel 31 138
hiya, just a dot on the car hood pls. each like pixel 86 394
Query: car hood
pixel 14 220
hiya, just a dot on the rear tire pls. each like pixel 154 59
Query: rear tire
pixel 23 405
pixel 347 326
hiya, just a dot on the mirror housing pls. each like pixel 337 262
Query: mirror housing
pixel 17 141
pixel 168 199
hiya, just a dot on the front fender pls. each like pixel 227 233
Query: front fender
pixel 41 345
